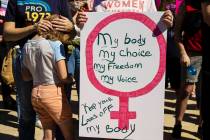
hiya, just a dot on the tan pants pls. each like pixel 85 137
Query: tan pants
pixel 51 104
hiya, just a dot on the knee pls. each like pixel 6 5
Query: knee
pixel 189 89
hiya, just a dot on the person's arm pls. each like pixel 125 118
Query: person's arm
pixel 61 69
pixel 168 18
pixel 26 75
pixel 205 5
pixel 81 19
pixel 11 33
pixel 184 58
pixel 65 22
pixel 61 64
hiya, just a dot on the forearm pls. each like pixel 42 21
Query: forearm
pixel 181 48
pixel 14 34
pixel 206 12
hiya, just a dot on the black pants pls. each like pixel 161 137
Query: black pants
pixel 205 94
pixel 205 105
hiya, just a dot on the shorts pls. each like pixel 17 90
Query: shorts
pixel 51 104
pixel 196 62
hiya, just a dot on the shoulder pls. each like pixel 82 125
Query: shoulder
pixel 55 44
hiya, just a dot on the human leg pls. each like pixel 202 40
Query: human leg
pixel 173 71
pixel 38 122
pixel 26 114
pixel 8 101
pixel 65 120
pixel 48 123
pixel 198 101
pixel 205 103
pixel 65 126
pixel 54 102
pixel 186 90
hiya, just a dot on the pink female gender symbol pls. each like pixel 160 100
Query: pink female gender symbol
pixel 124 115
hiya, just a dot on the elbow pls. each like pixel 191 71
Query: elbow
pixel 7 34
pixel 64 78
pixel 67 79
pixel 7 37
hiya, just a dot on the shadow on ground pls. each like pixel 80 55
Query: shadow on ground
pixel 170 99
pixel 6 118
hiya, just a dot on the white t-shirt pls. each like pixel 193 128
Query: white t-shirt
pixel 40 57
pixel 124 5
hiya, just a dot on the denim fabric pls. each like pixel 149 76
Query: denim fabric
pixel 71 63
pixel 73 66
pixel 26 114
pixel 77 69
pixel 195 61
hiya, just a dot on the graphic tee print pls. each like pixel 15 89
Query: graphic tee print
pixel 28 12
pixel 25 12
pixel 35 10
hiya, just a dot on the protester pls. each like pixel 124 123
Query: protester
pixel 172 79
pixel 8 101
pixel 22 20
pixel 188 39
pixel 44 58
pixel 205 97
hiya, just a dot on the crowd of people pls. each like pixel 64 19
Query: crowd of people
pixel 46 61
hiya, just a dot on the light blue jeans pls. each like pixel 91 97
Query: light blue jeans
pixel 26 114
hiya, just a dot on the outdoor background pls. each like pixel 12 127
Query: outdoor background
pixel 9 125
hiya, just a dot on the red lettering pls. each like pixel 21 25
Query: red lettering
pixel 141 5
pixel 109 4
pixel 124 4
pixel 117 4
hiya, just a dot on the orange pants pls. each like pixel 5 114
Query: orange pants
pixel 50 102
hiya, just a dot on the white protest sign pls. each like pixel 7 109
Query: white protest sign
pixel 122 76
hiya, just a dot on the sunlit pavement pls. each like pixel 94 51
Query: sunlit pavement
pixel 8 120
